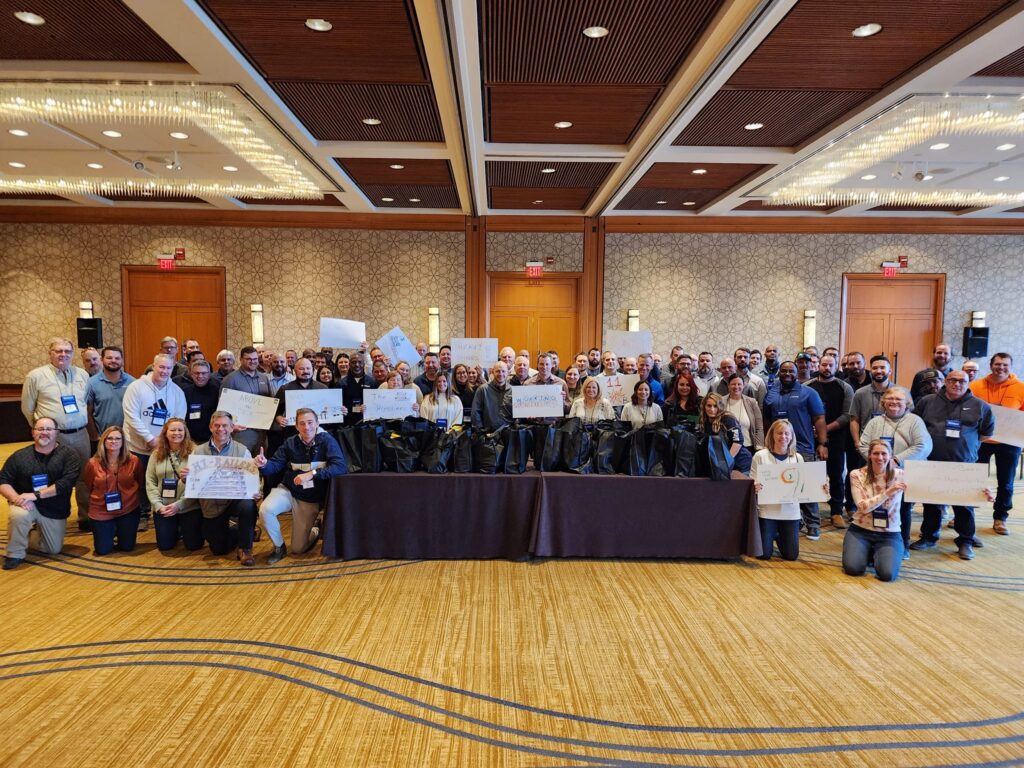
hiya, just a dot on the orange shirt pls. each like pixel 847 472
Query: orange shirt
pixel 130 478
pixel 1008 394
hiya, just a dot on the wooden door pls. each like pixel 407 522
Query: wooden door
pixel 899 317
pixel 189 302
pixel 535 314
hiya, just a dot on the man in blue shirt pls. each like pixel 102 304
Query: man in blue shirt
pixel 105 392
pixel 803 408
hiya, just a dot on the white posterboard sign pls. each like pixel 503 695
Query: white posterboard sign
pixel 221 477
pixel 945 482
pixel 619 388
pixel 628 343
pixel 537 401
pixel 802 483
pixel 474 352
pixel 1009 425
pixel 341 334
pixel 247 409
pixel 396 346
pixel 388 403
pixel 326 403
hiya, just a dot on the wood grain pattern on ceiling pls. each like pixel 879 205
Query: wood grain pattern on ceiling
pixel 81 30
pixel 334 111
pixel 717 176
pixel 377 170
pixel 403 195
pixel 647 199
pixel 790 117
pixel 551 198
pixel 529 174
pixel 1016 210
pixel 813 46
pixel 328 201
pixel 140 198
pixel 946 208
pixel 373 41
pixel 1008 66
pixel 760 205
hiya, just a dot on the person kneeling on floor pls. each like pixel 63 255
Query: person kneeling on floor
pixel 874 531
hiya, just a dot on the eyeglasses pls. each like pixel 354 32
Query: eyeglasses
pixel 959 382
pixel 43 429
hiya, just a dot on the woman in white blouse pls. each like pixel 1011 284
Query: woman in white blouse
pixel 440 406
pixel 591 407
pixel 640 411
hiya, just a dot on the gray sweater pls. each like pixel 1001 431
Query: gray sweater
pixel 492 407
pixel 911 441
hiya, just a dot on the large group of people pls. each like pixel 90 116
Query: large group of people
pixel 122 444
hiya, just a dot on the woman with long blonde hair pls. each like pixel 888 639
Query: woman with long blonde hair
pixel 174 516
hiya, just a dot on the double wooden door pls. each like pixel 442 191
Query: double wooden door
pixel 536 314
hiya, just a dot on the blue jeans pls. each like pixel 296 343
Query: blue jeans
pixel 812 517
pixel 1006 464
pixel 860 544
pixel 187 527
pixel 219 534
pixel 963 523
pixel 788 534
pixel 125 528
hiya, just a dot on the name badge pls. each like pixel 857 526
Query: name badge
pixel 39 482
pixel 113 501
pixel 879 519
pixel 169 489
pixel 195 410
pixel 953 428
pixel 442 423
pixel 69 403
pixel 890 441
pixel 159 417
pixel 308 484
pixel 875 413
pixel 783 414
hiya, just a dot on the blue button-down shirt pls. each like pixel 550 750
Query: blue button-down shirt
pixel 801 406
pixel 107 399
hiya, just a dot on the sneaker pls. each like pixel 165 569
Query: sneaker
pixel 977 543
pixel 951 523
pixel 10 563
pixel 813 534
pixel 143 524
pixel 965 551
pixel 999 526
pixel 277 554
pixel 838 522
pixel 245 558
pixel 906 554
pixel 923 544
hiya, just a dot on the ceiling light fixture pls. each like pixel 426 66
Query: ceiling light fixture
pixel 699 171
pixel 230 168
pixel 33 19
pixel 387 199
pixel 1001 178
pixel 689 202
pixel 15 164
pixel 940 145
pixel 595 32
pixel 112 134
pixel 319 25
pixel 1000 148
pixel 867 30
pixel 537 202
pixel 414 200
pixel 396 166
pixel 94 166
pixel 927 177
pixel 180 135
pixel 20 132
pixel 563 124
pixel 661 202
pixel 371 121
pixel 547 170
pixel 754 126
pixel 869 177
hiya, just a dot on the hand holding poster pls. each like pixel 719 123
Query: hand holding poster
pixel 537 401
pixel 248 410
pixel 1009 425
pixel 396 346
pixel 628 343
pixel 474 352
pixel 221 477
pixel 945 482
pixel 619 388
pixel 326 403
pixel 802 483
pixel 341 334
pixel 388 403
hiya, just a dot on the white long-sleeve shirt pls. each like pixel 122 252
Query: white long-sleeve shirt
pixel 140 399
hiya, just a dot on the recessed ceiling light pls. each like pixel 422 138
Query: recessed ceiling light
pixel 112 134
pixel 537 202
pixel 595 32
pixel 1001 178
pixel 178 135
pixel 15 164
pixel 387 199
pixel 414 200
pixel 563 124
pixel 319 25
pixel 396 166
pixel 230 168
pixel 869 176
pixel 371 121
pixel 940 145
pixel 30 18
pixel 699 171
pixel 754 126
pixel 94 166
pixel 20 132
pixel 690 202
pixel 867 30
pixel 927 177
pixel 1000 148
pixel 547 170
pixel 661 202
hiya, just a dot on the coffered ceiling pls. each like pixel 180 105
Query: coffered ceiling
pixel 593 107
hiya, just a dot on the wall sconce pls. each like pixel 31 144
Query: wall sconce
pixel 256 311
pixel 633 320
pixel 434 329
pixel 810 327
pixel 978 319
pixel 85 310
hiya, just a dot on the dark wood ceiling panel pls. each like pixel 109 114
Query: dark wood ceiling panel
pixel 1016 210
pixel 813 46
pixel 789 117
pixel 1008 66
pixel 372 40
pixel 599 114
pixel 681 175
pixel 80 30
pixel 402 195
pixel 541 41
pixel 529 174
pixel 334 111
pixel 551 199
pixel 646 199
pixel 376 170
pixel 140 198
pixel 932 208
pixel 29 196
pixel 760 205
pixel 328 201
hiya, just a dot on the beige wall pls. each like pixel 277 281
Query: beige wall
pixel 381 277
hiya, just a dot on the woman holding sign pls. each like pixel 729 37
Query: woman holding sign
pixel 778 521
pixel 591 407
pixel 440 406
pixel 641 410
pixel 114 476
pixel 174 516
pixel 875 529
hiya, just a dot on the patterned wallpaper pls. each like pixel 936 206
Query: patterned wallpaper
pixel 720 291
pixel 509 251
pixel 381 277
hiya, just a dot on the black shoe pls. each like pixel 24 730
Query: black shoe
pixel 977 543
pixel 257 533
pixel 84 526
pixel 923 544
pixel 10 563
pixel 277 554
pixel 965 551
pixel 143 524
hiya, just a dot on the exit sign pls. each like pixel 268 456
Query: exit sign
pixel 166 264
pixel 534 268
pixel 890 271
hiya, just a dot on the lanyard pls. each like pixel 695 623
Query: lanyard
pixel 174 466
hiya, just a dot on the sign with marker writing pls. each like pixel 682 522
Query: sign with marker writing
pixel 537 401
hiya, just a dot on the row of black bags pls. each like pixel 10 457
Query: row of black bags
pixel 605 448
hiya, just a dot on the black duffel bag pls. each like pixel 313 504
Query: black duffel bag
pixel 462 455
pixel 576 447
pixel 518 448
pixel 348 439
pixel 489 451
pixel 650 452
pixel 436 456
pixel 398 453
pixel 547 447
pixel 370 433
pixel 611 447
pixel 684 450
pixel 713 457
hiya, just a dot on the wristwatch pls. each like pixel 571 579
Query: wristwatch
pixel 38 495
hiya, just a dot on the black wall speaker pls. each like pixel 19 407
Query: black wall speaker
pixel 975 342
pixel 90 332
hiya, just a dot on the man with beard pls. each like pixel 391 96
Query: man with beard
pixel 837 397
pixel 856 374
pixel 105 393
pixel 492 403
pixel 594 362
pixel 770 372
pixel 705 372
pixel 866 405
pixel 751 380
pixel 251 380
pixel 802 407
pixel 940 363
pixel 201 396
pixel 803 367
pixel 282 430
pixel 279 373
pixel 91 361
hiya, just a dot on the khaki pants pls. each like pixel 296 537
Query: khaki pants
pixel 79 443
pixel 19 523
pixel 304 514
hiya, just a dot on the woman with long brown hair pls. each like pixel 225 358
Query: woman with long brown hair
pixel 114 476
pixel 174 516
pixel 719 440
pixel 874 531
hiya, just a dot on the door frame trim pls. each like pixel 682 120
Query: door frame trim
pixel 578 277
pixel 940 298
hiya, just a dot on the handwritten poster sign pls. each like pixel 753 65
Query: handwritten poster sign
pixel 619 388
pixel 537 401
pixel 326 403
pixel 628 343
pixel 247 409
pixel 341 334
pixel 1009 425
pixel 474 352
pixel 396 346
pixel 388 403
pixel 945 482
pixel 802 483
pixel 221 477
